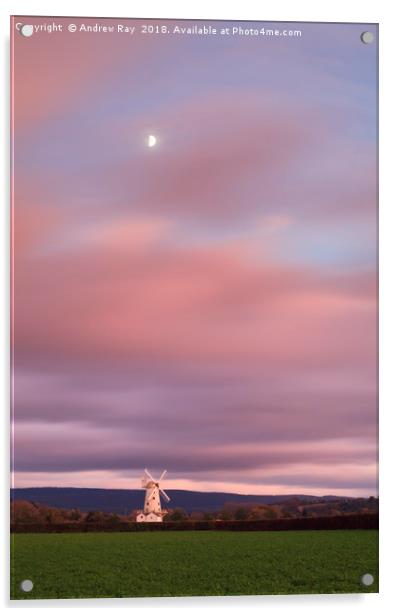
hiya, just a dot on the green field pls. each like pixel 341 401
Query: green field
pixel 193 563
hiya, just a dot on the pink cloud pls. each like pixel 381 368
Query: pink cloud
pixel 48 83
pixel 33 226
pixel 127 292
pixel 205 145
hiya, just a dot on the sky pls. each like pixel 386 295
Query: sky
pixel 207 305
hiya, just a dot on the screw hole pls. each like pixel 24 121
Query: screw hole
pixel 367 579
pixel 27 585
pixel 367 37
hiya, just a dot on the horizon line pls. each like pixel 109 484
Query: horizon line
pixel 197 491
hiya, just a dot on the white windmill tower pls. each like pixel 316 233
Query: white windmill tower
pixel 152 511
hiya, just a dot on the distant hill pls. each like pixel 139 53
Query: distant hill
pixel 124 501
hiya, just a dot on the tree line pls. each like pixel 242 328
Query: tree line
pixel 26 512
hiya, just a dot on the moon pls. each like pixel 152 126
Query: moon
pixel 151 141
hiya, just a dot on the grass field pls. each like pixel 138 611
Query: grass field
pixel 193 563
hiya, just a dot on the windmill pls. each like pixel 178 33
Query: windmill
pixel 152 511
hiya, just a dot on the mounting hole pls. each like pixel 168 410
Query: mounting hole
pixel 367 579
pixel 27 585
pixel 26 30
pixel 367 37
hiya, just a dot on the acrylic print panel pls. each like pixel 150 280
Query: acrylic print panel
pixel 194 289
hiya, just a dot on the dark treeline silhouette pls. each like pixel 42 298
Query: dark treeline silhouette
pixel 34 517
pixel 365 521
